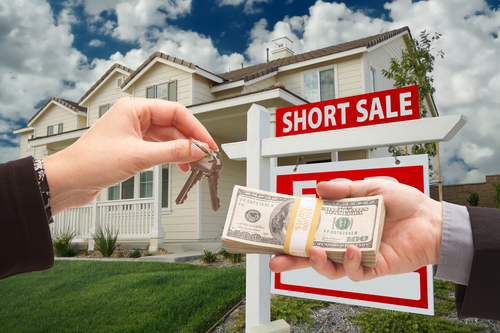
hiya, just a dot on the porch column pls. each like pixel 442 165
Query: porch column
pixel 157 234
pixel 93 226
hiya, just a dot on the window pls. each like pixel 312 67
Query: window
pixel 104 108
pixel 373 81
pixel 54 129
pixel 141 186
pixel 319 85
pixel 166 91
pixel 164 185
pixel 146 184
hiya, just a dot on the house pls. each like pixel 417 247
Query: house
pixel 143 207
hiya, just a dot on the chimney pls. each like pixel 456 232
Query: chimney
pixel 282 47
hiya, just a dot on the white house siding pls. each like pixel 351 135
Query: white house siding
pixel 202 89
pixel 349 76
pixel 81 122
pixel 262 84
pixel 380 58
pixel 291 80
pixel 234 173
pixel 106 94
pixel 54 115
pixel 228 93
pixel 161 73
pixel 182 222
pixel 24 151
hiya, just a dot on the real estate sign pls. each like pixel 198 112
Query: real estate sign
pixel 411 292
pixel 380 107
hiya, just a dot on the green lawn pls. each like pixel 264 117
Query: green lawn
pixel 96 296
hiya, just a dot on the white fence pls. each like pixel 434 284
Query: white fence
pixel 131 218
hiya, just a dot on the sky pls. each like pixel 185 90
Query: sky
pixel 61 48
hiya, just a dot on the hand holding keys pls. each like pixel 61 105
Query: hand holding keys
pixel 209 166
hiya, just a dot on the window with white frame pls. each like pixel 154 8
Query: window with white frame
pixel 54 129
pixel 166 91
pixel 141 186
pixel 30 137
pixel 373 80
pixel 319 85
pixel 104 108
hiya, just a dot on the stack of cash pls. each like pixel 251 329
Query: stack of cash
pixel 257 222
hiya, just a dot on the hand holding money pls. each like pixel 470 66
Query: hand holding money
pixel 270 223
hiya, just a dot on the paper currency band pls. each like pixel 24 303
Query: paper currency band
pixel 302 226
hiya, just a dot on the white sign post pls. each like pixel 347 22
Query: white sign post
pixel 260 148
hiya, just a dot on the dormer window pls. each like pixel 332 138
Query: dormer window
pixel 54 129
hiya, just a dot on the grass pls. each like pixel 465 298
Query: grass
pixel 94 296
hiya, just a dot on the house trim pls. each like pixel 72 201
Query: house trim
pixel 380 44
pixel 40 141
pixel 247 99
pixel 23 130
pixel 241 83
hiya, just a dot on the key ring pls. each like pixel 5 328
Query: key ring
pixel 202 148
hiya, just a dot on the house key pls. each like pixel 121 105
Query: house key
pixel 198 170
pixel 213 180
pixel 209 166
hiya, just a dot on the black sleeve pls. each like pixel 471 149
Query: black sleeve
pixel 481 297
pixel 25 241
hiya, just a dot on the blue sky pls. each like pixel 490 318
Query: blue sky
pixel 60 48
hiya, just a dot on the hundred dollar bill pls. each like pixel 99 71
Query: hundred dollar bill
pixel 257 222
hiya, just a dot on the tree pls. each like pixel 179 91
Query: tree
pixel 415 68
pixel 473 199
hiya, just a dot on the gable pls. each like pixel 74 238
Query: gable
pixel 52 115
pixel 160 73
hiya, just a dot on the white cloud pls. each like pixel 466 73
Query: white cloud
pixel 249 5
pixel 96 43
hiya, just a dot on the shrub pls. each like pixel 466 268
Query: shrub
pixel 496 196
pixel 473 199
pixel 134 254
pixel 61 241
pixel 105 240
pixel 235 257
pixel 293 308
pixel 208 256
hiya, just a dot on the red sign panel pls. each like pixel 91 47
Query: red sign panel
pixel 380 107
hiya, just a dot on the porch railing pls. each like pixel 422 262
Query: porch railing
pixel 132 219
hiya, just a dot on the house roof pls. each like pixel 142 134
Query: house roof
pixel 255 71
pixel 166 57
pixel 68 104
pixel 103 78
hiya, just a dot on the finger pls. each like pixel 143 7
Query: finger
pixel 163 113
pixel 162 133
pixel 324 266
pixel 352 264
pixel 283 263
pixel 175 151
pixel 184 167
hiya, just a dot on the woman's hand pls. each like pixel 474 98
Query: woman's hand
pixel 134 135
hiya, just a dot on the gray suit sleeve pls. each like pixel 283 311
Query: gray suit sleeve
pixel 457 247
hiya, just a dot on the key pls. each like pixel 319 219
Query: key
pixel 213 179
pixel 198 170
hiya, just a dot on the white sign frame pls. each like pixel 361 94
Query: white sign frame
pixel 411 292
